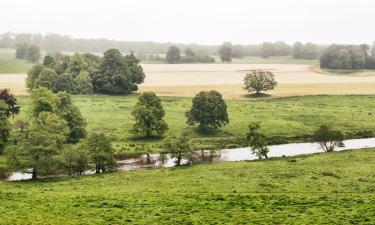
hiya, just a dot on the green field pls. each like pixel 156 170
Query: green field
pixel 285 119
pixel 9 64
pixel 331 188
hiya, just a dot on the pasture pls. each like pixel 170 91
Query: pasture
pixel 333 188
pixel 8 63
pixel 289 119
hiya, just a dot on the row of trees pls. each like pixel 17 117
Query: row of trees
pixel 28 52
pixel 174 56
pixel 348 57
pixel 305 51
pixel 87 73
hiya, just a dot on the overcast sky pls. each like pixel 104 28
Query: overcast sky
pixel 196 21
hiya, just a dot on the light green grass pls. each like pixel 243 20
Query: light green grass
pixel 330 188
pixel 9 64
pixel 291 119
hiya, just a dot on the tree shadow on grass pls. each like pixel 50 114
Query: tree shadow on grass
pixel 257 95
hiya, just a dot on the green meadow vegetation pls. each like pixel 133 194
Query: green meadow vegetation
pixel 330 188
pixel 9 64
pixel 283 120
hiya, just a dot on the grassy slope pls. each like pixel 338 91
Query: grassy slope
pixel 333 188
pixel 8 63
pixel 285 117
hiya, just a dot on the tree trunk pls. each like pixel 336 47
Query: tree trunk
pixel 148 158
pixel 34 175
pixel 179 160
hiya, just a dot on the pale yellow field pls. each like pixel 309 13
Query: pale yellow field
pixel 188 79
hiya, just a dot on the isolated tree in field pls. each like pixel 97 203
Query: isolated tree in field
pixel 136 70
pixel 179 148
pixel 114 76
pixel 208 110
pixel 21 50
pixel 328 138
pixel 257 141
pixel 10 100
pixel 33 75
pixel 148 114
pixel 225 52
pixel 259 80
pixel 100 151
pixel 173 55
pixel 40 150
pixel 33 53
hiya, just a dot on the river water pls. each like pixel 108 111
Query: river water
pixel 237 154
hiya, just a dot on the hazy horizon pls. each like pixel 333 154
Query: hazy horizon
pixel 201 22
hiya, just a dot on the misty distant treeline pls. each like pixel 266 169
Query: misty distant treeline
pixel 57 43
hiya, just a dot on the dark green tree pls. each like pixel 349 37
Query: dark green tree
pixel 113 75
pixel 173 55
pixel 225 52
pixel 33 53
pixel 328 138
pixel 48 78
pixel 259 80
pixel 5 126
pixel 208 110
pixel 49 62
pixel 10 100
pixel 179 148
pixel 75 160
pixel 76 65
pixel 136 70
pixel 148 114
pixel 100 151
pixel 257 141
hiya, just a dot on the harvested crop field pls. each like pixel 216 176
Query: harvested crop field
pixel 188 79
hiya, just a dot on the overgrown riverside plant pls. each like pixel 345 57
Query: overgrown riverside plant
pixel 209 110
pixel 179 148
pixel 257 141
pixel 148 114
pixel 328 138
pixel 259 80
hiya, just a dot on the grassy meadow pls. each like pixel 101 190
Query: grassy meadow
pixel 9 64
pixel 283 119
pixel 331 188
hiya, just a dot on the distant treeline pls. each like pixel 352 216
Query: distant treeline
pixel 53 43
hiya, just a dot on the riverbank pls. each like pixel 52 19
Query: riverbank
pixel 332 188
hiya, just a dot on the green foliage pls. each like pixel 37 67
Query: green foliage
pixel 208 110
pixel 281 191
pixel 71 114
pixel 148 114
pixel 100 151
pixel 225 52
pixel 75 160
pixel 307 51
pixel 10 100
pixel 40 149
pixel 370 63
pixel 76 65
pixel 48 78
pixel 173 55
pixel 274 49
pixel 136 70
pixel 344 57
pixel 328 138
pixel 32 53
pixel 259 80
pixel 43 100
pixel 191 57
pixel 33 75
pixel 82 84
pixel 49 62
pixel 257 141
pixel 114 76
pixel 179 148
pixel 5 126
pixel 21 50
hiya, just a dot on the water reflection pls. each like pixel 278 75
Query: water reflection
pixel 156 160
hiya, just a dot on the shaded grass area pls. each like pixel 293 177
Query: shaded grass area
pixel 331 188
pixel 9 64
pixel 283 119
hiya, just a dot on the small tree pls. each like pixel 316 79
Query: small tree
pixel 10 100
pixel 40 150
pixel 49 62
pixel 257 141
pixel 179 148
pixel 208 110
pixel 259 80
pixel 33 53
pixel 75 160
pixel 148 114
pixel 328 138
pixel 5 126
pixel 101 152
pixel 21 50
pixel 33 75
pixel 225 52
pixel 173 55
